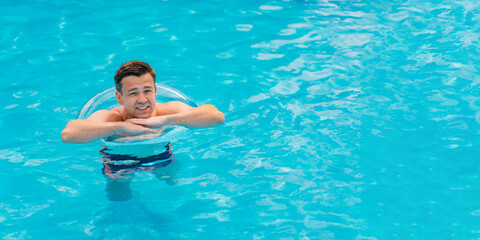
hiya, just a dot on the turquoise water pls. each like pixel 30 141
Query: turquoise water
pixel 344 119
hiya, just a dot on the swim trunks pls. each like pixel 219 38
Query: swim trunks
pixel 118 165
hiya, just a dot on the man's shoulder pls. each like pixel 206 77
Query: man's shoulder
pixel 113 115
pixel 172 107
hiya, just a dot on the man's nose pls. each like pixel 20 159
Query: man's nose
pixel 142 98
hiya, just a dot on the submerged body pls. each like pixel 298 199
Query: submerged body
pixel 119 169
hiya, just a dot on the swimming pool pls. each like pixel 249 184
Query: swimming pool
pixel 344 119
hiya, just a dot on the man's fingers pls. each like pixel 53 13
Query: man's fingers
pixel 152 130
pixel 138 121
pixel 134 120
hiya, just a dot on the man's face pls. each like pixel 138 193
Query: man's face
pixel 138 96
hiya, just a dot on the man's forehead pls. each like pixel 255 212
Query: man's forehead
pixel 136 88
pixel 135 82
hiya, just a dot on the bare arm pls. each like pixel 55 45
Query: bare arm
pixel 179 113
pixel 99 125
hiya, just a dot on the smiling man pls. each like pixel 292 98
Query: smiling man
pixel 139 113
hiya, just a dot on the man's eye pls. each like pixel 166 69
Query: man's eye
pixel 148 91
pixel 133 94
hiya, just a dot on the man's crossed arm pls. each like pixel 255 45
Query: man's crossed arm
pixel 104 123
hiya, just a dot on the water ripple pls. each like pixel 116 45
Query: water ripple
pixel 345 119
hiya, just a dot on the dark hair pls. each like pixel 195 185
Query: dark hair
pixel 135 68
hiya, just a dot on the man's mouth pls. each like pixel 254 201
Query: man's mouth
pixel 142 108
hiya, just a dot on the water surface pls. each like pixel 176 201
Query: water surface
pixel 345 119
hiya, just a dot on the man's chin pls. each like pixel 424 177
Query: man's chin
pixel 143 115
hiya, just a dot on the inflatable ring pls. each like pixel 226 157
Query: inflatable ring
pixel 107 100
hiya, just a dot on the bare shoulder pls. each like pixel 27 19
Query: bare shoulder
pixel 172 108
pixel 113 115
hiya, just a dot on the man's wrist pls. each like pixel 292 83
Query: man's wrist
pixel 171 119
pixel 117 127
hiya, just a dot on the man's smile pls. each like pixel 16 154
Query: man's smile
pixel 142 108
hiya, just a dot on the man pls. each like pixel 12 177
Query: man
pixel 139 113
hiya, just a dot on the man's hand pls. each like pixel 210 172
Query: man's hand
pixel 129 128
pixel 152 122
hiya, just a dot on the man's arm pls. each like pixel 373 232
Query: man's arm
pixel 99 125
pixel 178 113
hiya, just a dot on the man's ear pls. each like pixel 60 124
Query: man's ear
pixel 155 86
pixel 119 97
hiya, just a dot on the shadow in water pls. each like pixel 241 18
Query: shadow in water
pixel 130 220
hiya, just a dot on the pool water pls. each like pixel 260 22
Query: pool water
pixel 344 119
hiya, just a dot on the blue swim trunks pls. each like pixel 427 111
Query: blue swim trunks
pixel 118 165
